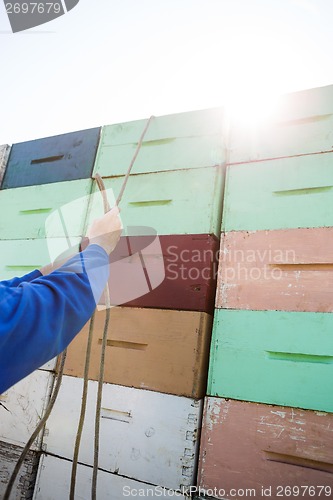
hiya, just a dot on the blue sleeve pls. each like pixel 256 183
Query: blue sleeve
pixel 38 319
pixel 14 282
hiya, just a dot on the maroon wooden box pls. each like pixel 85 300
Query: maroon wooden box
pixel 168 272
pixel 256 446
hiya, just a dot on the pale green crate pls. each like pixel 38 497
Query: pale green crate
pixel 186 140
pixel 274 357
pixel 301 123
pixel 174 202
pixel 51 210
pixel 279 194
pixel 20 257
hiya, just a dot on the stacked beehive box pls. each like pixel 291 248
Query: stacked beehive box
pixel 272 336
pixel 38 179
pixel 162 281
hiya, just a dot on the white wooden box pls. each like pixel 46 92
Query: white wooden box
pixel 50 365
pixel 22 406
pixel 4 155
pixel 144 435
pixel 54 476
pixel 25 482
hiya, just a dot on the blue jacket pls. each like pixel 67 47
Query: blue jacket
pixel 40 315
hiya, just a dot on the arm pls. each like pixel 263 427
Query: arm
pixel 14 282
pixel 48 313
pixel 38 319
pixel 61 260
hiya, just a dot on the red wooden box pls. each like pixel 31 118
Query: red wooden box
pixel 288 270
pixel 263 448
pixel 168 272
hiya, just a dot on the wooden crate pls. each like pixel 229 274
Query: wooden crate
pixel 279 194
pixel 247 446
pixel 50 366
pixel 52 210
pixel 22 407
pixel 177 202
pixel 145 435
pixel 288 270
pixel 169 350
pixel 64 157
pixel 181 141
pixel 302 123
pixel 19 257
pixel 25 482
pixel 54 477
pixel 169 272
pixel 275 357
pixel 4 154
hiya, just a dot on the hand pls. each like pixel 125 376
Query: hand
pixel 106 230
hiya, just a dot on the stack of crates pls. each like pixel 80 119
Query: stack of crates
pixel 267 427
pixel 162 285
pixel 39 177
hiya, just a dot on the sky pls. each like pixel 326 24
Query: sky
pixel 110 61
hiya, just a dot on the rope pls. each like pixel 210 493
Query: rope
pixel 39 427
pixel 99 394
pixel 62 357
pixel 106 207
pixel 120 195
pixel 83 408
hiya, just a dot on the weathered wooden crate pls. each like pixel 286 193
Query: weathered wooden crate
pixel 54 477
pixel 19 257
pixel 159 350
pixel 302 123
pixel 275 357
pixel 22 407
pixel 288 270
pixel 25 482
pixel 181 141
pixel 283 451
pixel 4 154
pixel 50 365
pixel 64 157
pixel 168 271
pixel 177 202
pixel 279 194
pixel 145 435
pixel 52 210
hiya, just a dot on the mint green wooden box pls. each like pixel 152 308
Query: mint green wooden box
pixel 186 140
pixel 279 194
pixel 52 210
pixel 300 123
pixel 176 202
pixel 282 358
pixel 19 257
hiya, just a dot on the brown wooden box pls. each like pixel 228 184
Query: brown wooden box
pixel 250 446
pixel 160 350
pixel 288 270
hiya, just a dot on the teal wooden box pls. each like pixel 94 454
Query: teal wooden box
pixel 279 194
pixel 60 158
pixel 301 123
pixel 282 358
pixel 185 140
pixel 30 211
pixel 177 202
pixel 20 257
